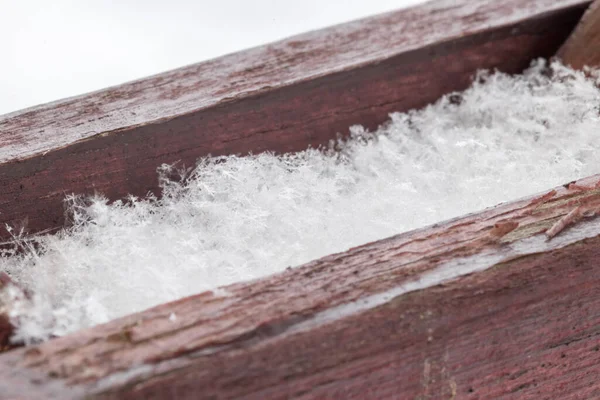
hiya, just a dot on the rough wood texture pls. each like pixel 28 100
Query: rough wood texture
pixel 281 97
pixel 481 307
pixel 583 46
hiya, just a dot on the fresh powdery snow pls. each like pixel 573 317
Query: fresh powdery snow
pixel 238 218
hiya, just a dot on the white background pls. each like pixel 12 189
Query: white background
pixel 51 49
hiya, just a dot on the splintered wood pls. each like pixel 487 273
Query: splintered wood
pixel 543 198
pixel 502 228
pixel 585 206
pixel 569 219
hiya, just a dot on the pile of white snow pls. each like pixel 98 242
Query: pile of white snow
pixel 233 219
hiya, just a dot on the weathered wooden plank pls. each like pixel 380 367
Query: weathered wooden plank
pixel 583 46
pixel 484 306
pixel 280 97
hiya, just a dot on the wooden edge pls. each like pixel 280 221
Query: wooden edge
pixel 483 306
pixel 583 46
pixel 281 97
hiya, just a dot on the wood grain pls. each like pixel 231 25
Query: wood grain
pixel 282 97
pixel 455 310
pixel 479 307
pixel 583 46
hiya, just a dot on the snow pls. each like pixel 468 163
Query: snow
pixel 234 219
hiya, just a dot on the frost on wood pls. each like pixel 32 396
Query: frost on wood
pixel 231 219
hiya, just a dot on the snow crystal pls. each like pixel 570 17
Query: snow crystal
pixel 238 218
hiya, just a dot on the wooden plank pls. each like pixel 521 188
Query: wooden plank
pixel 281 97
pixel 480 307
pixel 583 46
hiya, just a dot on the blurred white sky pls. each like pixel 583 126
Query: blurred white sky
pixel 51 49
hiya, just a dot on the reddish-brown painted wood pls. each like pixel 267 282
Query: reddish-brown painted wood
pixel 583 46
pixel 390 319
pixel 480 307
pixel 281 97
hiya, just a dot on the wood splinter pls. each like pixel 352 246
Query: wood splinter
pixel 571 218
pixel 503 228
pixel 543 198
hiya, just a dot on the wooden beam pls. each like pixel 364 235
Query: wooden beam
pixel 484 306
pixel 583 46
pixel 285 96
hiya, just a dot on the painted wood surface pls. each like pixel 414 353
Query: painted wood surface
pixel 485 306
pixel 480 307
pixel 583 46
pixel 281 97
